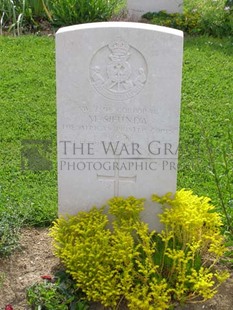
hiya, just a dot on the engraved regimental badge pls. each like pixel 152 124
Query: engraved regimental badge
pixel 118 71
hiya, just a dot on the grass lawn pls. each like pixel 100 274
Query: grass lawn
pixel 28 112
pixel 206 116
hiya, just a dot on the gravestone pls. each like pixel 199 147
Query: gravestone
pixel 136 8
pixel 118 104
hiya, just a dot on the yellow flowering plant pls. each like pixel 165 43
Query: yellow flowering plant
pixel 193 242
pixel 121 259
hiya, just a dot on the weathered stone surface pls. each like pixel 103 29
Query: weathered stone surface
pixel 118 96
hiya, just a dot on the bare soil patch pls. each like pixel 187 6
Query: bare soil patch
pixel 35 258
pixel 25 267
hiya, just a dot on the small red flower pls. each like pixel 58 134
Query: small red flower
pixel 9 307
pixel 47 277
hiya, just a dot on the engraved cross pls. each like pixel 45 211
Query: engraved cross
pixel 116 178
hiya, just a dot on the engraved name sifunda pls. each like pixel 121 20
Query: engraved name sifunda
pixel 119 119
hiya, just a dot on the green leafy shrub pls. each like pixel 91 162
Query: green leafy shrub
pixel 69 12
pixel 10 224
pixel 59 293
pixel 19 15
pixel 150 270
pixel 199 17
pixel 187 22
pixel 216 17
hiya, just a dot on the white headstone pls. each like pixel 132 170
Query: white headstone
pixel 118 99
pixel 136 8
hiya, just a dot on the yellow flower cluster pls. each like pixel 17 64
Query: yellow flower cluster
pixel 202 282
pixel 149 269
pixel 191 236
pixel 192 219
